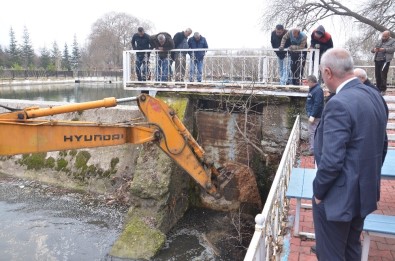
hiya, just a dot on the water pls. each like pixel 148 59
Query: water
pixel 40 222
pixel 69 92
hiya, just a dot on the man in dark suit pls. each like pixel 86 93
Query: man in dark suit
pixel 363 77
pixel 350 147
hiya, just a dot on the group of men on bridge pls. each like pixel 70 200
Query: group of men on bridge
pixel 291 62
pixel 163 42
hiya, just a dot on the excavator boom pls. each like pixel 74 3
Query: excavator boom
pixel 162 126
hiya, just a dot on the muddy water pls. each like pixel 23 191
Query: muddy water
pixel 41 222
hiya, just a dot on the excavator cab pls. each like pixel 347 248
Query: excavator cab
pixel 222 186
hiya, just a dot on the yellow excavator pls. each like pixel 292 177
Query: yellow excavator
pixel 162 126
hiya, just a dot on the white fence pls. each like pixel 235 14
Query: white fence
pixel 219 65
pixel 266 243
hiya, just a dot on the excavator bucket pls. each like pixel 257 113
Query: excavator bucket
pixel 238 188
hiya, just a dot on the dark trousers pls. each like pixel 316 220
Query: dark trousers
pixel 336 241
pixel 180 66
pixel 142 67
pixel 298 61
pixel 381 71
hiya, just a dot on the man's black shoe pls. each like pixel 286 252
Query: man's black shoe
pixel 313 249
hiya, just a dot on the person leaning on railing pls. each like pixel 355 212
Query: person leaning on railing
pixel 298 58
pixel 284 62
pixel 163 43
pixel 180 42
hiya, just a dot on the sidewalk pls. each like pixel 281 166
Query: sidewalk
pixel 381 249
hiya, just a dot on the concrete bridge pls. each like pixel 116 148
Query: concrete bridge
pixel 241 71
pixel 227 71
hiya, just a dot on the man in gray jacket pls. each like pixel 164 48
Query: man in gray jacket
pixel 383 54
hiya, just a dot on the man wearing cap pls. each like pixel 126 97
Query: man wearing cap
pixel 140 41
pixel 321 39
pixel 383 54
pixel 284 62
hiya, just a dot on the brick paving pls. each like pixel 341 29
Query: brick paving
pixel 381 249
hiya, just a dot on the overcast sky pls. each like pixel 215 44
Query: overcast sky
pixel 225 24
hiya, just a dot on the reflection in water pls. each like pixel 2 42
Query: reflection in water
pixel 70 92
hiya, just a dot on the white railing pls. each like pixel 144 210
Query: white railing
pixel 266 243
pixel 220 65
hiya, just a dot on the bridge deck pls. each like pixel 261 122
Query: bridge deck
pixel 222 88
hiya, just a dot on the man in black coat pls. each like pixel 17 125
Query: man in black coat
pixel 140 41
pixel 363 77
pixel 284 63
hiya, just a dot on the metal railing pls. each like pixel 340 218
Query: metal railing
pixel 8 74
pixel 266 243
pixel 219 65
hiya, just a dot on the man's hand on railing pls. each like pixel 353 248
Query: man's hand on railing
pixel 281 48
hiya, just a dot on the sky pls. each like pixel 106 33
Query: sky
pixel 225 24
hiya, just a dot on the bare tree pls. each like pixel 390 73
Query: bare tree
pixel 372 15
pixel 360 49
pixel 111 34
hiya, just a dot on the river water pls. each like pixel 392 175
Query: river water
pixel 67 92
pixel 41 222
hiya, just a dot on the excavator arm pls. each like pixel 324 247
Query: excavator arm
pixel 21 132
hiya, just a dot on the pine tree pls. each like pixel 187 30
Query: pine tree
pixel 13 51
pixel 75 55
pixel 45 59
pixel 66 58
pixel 56 56
pixel 27 53
pixel 2 58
